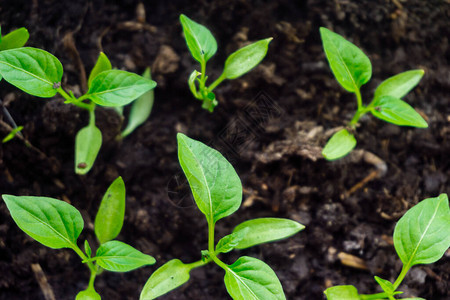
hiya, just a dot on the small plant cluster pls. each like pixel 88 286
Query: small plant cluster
pixel 421 236
pixel 39 73
pixel 217 191
pixel 57 224
pixel 352 69
pixel 203 46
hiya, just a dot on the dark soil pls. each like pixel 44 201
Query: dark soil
pixel 270 123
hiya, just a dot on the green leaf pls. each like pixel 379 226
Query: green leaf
pixel 87 145
pixel 120 257
pixel 191 82
pixel 88 294
pixel 229 242
pixel 422 235
pixel 340 292
pixel 12 134
pixel 87 249
pixel 110 215
pixel 140 109
pixel 264 230
pixel 399 85
pixel 117 88
pixel 168 277
pixel 251 279
pixel 245 59
pixel 386 285
pixel 14 39
pixel 32 70
pixel 53 223
pixel 215 185
pixel 200 41
pixel 102 64
pixel 339 145
pixel 350 66
pixel 396 111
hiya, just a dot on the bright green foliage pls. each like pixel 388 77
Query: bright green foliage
pixel 12 134
pixel 14 39
pixel 339 145
pixel 110 215
pixel 217 192
pixel 352 69
pixel 203 46
pixel 421 236
pixel 57 224
pixel 102 64
pixel 87 145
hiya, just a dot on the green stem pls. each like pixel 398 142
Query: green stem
pixel 92 280
pixel 92 117
pixel 212 253
pixel 373 296
pixel 75 101
pixel 400 277
pixel 199 263
pixel 216 82
pixel 202 76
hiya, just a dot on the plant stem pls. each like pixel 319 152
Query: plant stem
pixel 400 277
pixel 211 249
pixel 199 263
pixel 202 76
pixel 373 296
pixel 75 101
pixel 216 82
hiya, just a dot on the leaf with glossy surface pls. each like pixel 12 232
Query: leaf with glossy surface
pixel 422 235
pixel 32 70
pixel 110 215
pixel 120 257
pixel 399 85
pixel 339 145
pixel 140 109
pixel 87 145
pixel 14 39
pixel 252 279
pixel 350 66
pixel 245 59
pixel 167 278
pixel 214 183
pixel 264 230
pixel 340 292
pixel 396 111
pixel 51 222
pixel 102 64
pixel 117 88
pixel 386 285
pixel 229 242
pixel 200 41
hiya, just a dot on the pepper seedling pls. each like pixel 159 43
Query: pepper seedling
pixel 217 191
pixel 203 46
pixel 352 69
pixel 421 236
pixel 39 73
pixel 57 224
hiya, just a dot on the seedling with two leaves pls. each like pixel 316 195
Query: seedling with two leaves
pixel 352 69
pixel 421 236
pixel 217 191
pixel 57 224
pixel 203 46
pixel 39 73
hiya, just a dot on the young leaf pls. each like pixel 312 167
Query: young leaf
pixel 32 70
pixel 110 215
pixel 251 279
pixel 399 85
pixel 117 88
pixel 168 277
pixel 87 249
pixel 200 41
pixel 120 257
pixel 140 109
pixel 245 59
pixel 53 223
pixel 264 230
pixel 350 66
pixel 340 292
pixel 12 134
pixel 102 64
pixel 396 111
pixel 339 145
pixel 386 285
pixel 229 242
pixel 215 185
pixel 14 39
pixel 422 235
pixel 87 145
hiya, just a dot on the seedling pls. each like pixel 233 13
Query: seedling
pixel 57 224
pixel 39 73
pixel 352 69
pixel 217 191
pixel 203 46
pixel 421 236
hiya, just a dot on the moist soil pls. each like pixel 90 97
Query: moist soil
pixel 270 123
